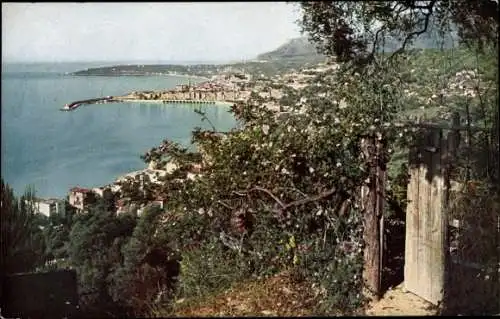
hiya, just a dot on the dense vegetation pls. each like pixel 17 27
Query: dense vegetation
pixel 282 192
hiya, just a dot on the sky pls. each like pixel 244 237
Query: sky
pixel 175 31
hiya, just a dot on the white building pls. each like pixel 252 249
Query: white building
pixel 49 207
pixel 79 197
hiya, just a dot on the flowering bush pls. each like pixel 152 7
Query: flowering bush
pixel 282 191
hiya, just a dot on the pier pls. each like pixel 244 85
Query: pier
pixel 74 105
pixel 190 101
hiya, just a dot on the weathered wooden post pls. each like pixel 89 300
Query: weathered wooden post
pixel 427 251
pixel 372 204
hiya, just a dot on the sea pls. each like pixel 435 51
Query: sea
pixel 52 151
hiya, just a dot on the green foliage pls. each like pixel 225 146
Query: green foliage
pixel 353 31
pixel 281 192
pixel 56 236
pixel 209 269
pixel 95 243
pixel 22 242
pixel 149 267
pixel 275 191
pixel 272 191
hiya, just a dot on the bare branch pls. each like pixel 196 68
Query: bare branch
pixel 257 188
pixel 299 202
pixel 413 34
pixel 225 205
pixel 311 199
pixel 293 189
pixel 239 193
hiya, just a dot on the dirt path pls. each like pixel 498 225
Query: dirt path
pixel 281 296
pixel 397 302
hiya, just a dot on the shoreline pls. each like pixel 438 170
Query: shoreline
pixel 186 94
pixel 225 103
pixel 202 78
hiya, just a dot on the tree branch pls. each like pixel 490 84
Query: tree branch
pixel 297 202
pixel 225 205
pixel 311 199
pixel 417 33
pixel 257 188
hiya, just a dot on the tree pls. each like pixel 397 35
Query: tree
pixel 95 243
pixel 353 31
pixel 149 266
pixel 21 240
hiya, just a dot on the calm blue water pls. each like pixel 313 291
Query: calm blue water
pixel 93 145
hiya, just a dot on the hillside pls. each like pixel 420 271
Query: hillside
pixel 302 48
pixel 295 48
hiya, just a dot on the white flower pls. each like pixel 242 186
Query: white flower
pixel 265 129
pixel 201 211
pixel 311 170
pixel 339 164
pixel 342 104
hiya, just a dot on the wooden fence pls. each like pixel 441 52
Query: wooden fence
pixel 429 270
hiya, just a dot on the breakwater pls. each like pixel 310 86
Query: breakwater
pixel 73 105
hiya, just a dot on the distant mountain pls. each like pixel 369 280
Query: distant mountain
pixel 301 48
pixel 430 40
pixel 295 48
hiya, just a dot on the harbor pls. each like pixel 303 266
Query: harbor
pixel 226 89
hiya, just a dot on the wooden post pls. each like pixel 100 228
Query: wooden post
pixel 373 204
pixel 426 218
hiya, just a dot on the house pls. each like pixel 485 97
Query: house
pixel 159 201
pixel 123 205
pixel 49 207
pixel 101 191
pixel 80 197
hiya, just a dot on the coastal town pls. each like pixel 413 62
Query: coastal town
pixel 229 87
